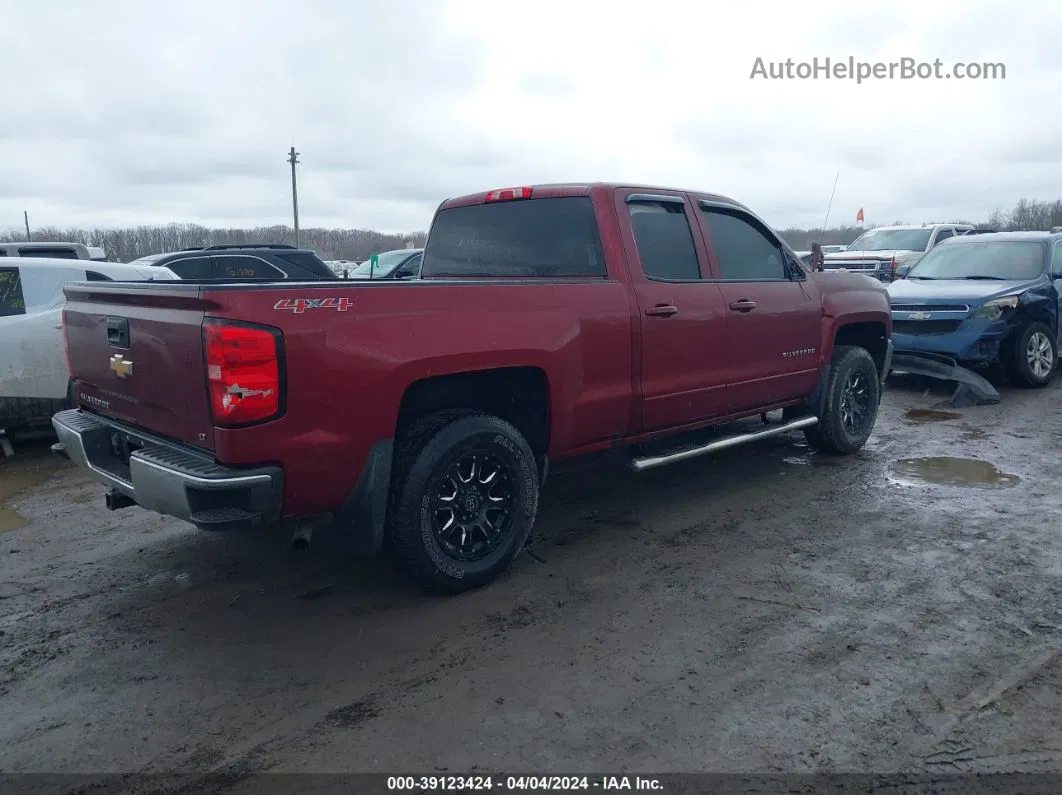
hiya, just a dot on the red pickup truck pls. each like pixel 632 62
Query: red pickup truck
pixel 549 322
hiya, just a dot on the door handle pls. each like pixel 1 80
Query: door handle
pixel 662 310
pixel 743 306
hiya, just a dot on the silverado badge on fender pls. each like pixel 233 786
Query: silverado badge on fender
pixel 122 367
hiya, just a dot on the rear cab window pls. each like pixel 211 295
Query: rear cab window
pixel 47 251
pixel 554 237
pixel 12 301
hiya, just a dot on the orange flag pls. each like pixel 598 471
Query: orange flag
pixel 859 216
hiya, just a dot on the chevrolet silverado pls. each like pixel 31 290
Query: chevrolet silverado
pixel 549 322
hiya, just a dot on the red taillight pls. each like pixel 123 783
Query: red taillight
pixel 508 194
pixel 243 372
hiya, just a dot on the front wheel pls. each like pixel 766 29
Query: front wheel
pixel 1035 356
pixel 853 393
pixel 465 499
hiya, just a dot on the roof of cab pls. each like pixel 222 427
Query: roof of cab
pixel 561 189
pixel 988 237
pixel 81 247
pixel 95 266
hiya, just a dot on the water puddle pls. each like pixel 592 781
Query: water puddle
pixel 10 519
pixel 16 477
pixel 930 415
pixel 944 471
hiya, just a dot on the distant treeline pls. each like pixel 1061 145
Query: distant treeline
pixel 123 245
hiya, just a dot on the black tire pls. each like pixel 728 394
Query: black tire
pixel 426 459
pixel 845 426
pixel 1024 364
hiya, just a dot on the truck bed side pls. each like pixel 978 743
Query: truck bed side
pixel 352 361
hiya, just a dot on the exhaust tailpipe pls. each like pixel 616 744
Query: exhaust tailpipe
pixel 116 500
pixel 300 539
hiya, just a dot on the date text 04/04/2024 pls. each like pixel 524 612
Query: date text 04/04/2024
pixel 520 783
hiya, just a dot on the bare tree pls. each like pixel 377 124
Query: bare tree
pixel 125 245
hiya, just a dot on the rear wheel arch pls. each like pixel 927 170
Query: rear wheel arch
pixel 518 395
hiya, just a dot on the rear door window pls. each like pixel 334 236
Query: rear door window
pixel 665 241
pixel 943 235
pixel 12 301
pixel 411 267
pixel 550 238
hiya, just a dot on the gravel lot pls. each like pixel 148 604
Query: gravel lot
pixel 765 609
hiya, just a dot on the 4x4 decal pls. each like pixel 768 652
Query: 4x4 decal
pixel 301 305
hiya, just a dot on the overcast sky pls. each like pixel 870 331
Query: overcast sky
pixel 120 113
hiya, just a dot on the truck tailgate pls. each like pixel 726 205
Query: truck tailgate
pixel 136 354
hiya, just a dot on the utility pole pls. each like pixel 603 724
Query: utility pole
pixel 293 158
pixel 25 217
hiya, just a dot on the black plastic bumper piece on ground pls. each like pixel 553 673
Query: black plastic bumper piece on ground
pixel 971 389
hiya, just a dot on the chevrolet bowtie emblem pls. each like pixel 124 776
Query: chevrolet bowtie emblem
pixel 122 367
pixel 919 316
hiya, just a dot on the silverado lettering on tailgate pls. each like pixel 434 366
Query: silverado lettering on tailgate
pixel 301 305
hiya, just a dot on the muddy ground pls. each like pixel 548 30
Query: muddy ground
pixel 765 609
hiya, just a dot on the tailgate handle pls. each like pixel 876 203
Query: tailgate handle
pixel 118 332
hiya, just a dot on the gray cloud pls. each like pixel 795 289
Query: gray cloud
pixel 121 113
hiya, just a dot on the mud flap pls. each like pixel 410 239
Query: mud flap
pixel 971 389
pixel 362 519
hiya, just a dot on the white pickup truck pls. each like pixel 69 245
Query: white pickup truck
pixel 887 252
pixel 34 380
pixel 52 250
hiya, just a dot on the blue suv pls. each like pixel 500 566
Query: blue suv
pixel 984 300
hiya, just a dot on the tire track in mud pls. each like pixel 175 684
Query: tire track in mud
pixel 631 565
pixel 546 599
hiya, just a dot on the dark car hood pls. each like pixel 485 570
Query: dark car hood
pixel 925 291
